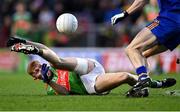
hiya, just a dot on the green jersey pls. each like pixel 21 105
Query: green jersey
pixel 70 80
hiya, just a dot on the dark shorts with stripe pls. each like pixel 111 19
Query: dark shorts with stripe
pixel 166 32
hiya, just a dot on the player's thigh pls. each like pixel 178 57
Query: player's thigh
pixel 144 39
pixel 109 81
pixel 154 50
pixel 167 32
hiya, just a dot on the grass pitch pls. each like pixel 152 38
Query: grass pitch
pixel 20 92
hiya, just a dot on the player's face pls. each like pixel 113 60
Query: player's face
pixel 37 72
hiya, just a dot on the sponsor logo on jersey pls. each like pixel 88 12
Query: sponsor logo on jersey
pixel 63 79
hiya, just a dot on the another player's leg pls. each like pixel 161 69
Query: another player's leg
pixel 157 49
pixel 165 83
pixel 144 92
pixel 144 40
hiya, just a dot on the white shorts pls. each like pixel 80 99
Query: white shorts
pixel 89 79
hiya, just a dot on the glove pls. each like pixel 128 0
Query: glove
pixel 14 40
pixel 118 17
pixel 44 73
pixel 26 49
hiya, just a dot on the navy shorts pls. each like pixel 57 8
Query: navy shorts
pixel 166 32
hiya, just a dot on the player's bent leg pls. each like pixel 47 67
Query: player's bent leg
pixel 144 40
pixel 154 50
pixel 110 81
pixel 134 50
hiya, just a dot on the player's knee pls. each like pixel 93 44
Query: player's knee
pixel 146 55
pixel 131 49
pixel 128 50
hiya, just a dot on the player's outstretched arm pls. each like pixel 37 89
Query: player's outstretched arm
pixel 137 4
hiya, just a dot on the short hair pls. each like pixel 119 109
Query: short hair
pixel 31 66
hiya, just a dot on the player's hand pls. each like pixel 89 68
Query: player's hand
pixel 118 17
pixel 44 72
pixel 26 49
pixel 46 77
pixel 14 40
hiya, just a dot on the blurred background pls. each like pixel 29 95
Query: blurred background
pixel 95 37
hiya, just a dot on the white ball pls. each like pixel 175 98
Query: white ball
pixel 66 23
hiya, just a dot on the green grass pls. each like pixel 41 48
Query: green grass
pixel 20 92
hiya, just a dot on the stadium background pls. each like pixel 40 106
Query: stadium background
pixel 95 38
